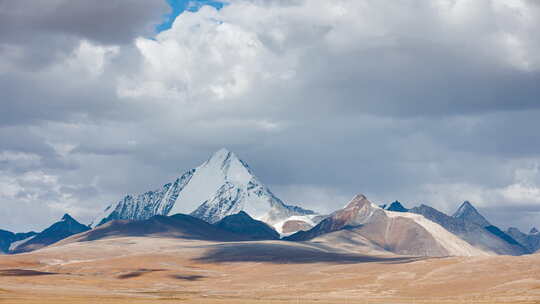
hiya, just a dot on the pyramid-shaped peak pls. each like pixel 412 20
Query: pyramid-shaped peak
pixel 467 204
pixel 222 155
pixel 226 164
pixel 534 231
pixel 465 208
pixel 359 196
pixel 223 158
pixel 67 217
pixel 220 186
pixel 221 152
pixel 358 201
pixel 469 213
pixel 396 206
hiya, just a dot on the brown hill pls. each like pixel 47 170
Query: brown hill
pixel 397 232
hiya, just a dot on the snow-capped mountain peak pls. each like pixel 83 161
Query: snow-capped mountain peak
pixel 223 171
pixel 221 186
pixel 467 212
pixel 232 167
pixel 534 231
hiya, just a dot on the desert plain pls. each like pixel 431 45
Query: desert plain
pixel 169 270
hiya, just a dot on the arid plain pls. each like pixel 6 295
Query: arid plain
pixel 167 270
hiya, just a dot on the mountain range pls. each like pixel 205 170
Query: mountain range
pixel 222 200
pixel 530 240
pixel 221 186
pixel 236 227
pixel 399 232
pixel 67 226
pixel 9 239
pixel 468 224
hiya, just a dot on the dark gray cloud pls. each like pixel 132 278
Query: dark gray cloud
pixel 425 102
pixel 107 22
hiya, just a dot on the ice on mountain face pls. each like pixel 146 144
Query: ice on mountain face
pixel 225 185
pixel 216 177
pixel 296 223
pixel 226 201
pixel 221 186
pixel 16 244
pixel 534 231
pixel 146 205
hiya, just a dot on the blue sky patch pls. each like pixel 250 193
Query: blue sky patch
pixel 179 6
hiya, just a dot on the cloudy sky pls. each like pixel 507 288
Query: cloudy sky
pixel 434 101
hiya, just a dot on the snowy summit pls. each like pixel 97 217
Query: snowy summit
pixel 221 186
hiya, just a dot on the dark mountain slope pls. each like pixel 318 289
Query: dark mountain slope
pixel 66 227
pixel 243 224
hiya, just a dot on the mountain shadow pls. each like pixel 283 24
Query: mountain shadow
pixel 282 253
